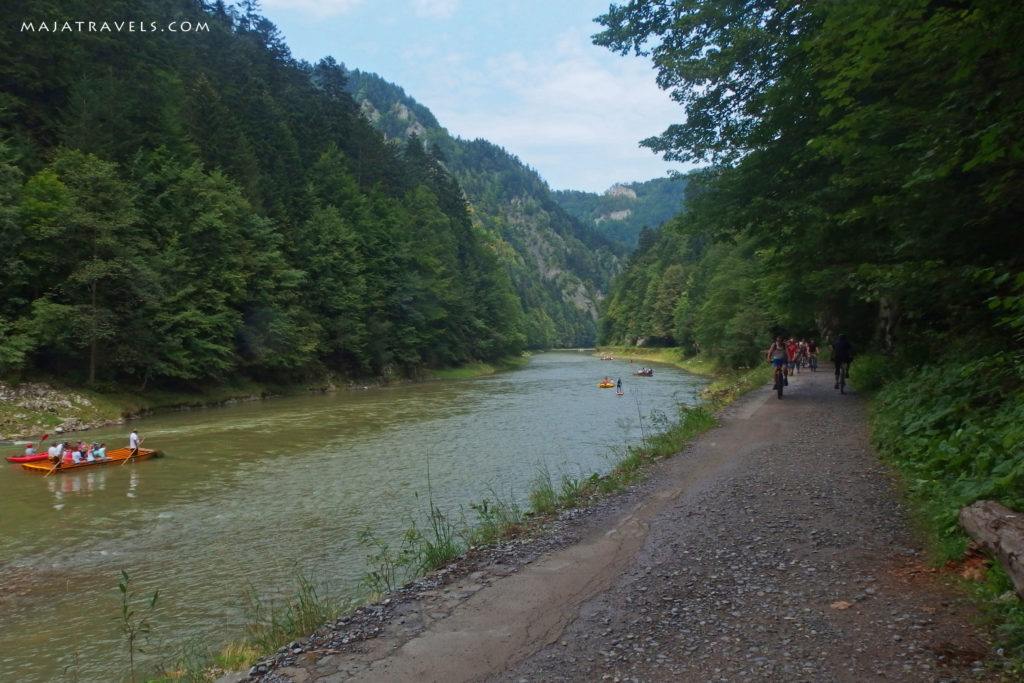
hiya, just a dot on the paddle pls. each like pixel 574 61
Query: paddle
pixel 56 465
pixel 134 452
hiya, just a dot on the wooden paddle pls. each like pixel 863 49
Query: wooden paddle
pixel 135 451
pixel 56 465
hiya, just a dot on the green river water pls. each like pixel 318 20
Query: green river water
pixel 252 495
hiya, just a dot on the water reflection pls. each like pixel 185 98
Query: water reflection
pixel 86 483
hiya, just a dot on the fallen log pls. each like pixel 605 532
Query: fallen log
pixel 999 531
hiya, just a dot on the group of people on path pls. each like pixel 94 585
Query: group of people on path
pixel 791 355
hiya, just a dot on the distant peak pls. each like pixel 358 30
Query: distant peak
pixel 621 191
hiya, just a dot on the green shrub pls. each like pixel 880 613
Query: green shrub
pixel 872 371
pixel 956 432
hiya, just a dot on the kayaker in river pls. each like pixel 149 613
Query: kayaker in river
pixel 29 450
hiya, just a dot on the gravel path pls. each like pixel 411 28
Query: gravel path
pixel 773 548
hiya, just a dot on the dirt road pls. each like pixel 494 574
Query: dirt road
pixel 773 548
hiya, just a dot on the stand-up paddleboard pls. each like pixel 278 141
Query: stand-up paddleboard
pixel 618 393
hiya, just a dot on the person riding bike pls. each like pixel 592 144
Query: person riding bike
pixel 778 356
pixel 842 356
pixel 812 354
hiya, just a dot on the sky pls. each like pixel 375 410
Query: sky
pixel 522 74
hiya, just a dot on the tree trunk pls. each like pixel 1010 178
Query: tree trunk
pixel 1000 531
pixel 92 341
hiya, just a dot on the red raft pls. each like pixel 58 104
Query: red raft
pixel 28 458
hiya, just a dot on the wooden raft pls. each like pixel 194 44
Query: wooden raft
pixel 999 531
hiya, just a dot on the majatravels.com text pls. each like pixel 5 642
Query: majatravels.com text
pixel 114 27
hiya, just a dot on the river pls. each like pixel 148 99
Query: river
pixel 249 496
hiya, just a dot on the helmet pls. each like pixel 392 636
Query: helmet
pixel 28 444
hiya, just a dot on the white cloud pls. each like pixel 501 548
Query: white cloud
pixel 319 9
pixel 435 9
pixel 574 113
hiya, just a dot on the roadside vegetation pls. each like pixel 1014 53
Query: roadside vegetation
pixel 954 431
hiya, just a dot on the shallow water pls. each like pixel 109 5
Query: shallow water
pixel 249 496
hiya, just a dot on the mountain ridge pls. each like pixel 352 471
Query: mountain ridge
pixel 546 244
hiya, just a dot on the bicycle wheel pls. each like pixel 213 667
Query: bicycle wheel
pixel 842 382
pixel 779 383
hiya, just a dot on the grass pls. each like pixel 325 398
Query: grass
pixel 271 623
pixel 479 369
pixel 495 520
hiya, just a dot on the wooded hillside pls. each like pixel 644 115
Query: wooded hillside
pixel 560 265
pixel 624 211
pixel 181 207
pixel 865 175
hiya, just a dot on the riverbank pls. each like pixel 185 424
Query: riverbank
pixel 30 409
pixel 727 385
pixel 774 547
pixel 697 364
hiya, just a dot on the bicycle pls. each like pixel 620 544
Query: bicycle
pixel 842 372
pixel 812 361
pixel 780 379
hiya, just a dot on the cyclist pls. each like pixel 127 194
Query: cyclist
pixel 779 358
pixel 842 355
pixel 791 350
pixel 812 354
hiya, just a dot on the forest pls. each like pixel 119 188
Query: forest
pixel 863 176
pixel 184 208
pixel 624 211
pixel 561 265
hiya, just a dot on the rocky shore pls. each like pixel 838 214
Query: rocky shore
pixel 31 409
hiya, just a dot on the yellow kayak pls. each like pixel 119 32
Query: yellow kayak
pixel 606 385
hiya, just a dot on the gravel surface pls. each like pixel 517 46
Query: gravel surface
pixel 773 548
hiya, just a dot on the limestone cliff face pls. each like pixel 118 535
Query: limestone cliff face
pixel 621 191
pixel 623 211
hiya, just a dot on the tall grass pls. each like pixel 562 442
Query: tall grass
pixel 269 622
pixel 495 519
